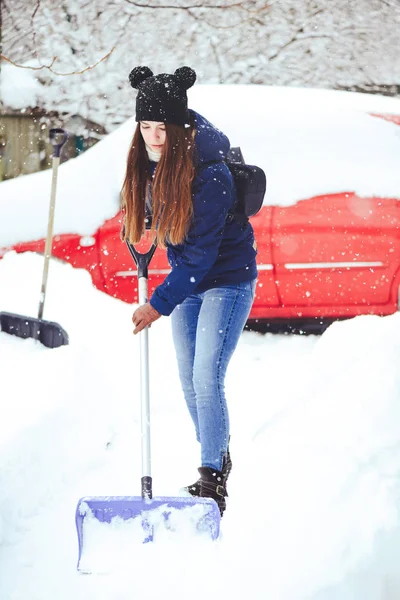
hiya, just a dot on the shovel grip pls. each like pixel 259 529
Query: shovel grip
pixel 142 260
pixel 57 137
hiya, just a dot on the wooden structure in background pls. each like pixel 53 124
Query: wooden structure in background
pixel 24 135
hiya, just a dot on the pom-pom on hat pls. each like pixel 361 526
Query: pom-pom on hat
pixel 162 97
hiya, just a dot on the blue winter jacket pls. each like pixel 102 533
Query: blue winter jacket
pixel 215 252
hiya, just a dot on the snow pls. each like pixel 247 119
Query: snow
pixel 313 510
pixel 19 87
pixel 309 142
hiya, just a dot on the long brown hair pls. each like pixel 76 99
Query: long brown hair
pixel 172 206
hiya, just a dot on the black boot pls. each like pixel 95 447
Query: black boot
pixel 194 489
pixel 226 467
pixel 212 486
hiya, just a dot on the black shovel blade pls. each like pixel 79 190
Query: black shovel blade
pixel 50 334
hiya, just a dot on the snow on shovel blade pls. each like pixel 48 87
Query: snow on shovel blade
pixel 50 334
pixel 138 521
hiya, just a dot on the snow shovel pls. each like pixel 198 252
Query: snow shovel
pixel 202 513
pixel 50 334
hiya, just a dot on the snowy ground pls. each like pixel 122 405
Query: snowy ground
pixel 314 502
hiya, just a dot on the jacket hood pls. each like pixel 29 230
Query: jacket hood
pixel 211 144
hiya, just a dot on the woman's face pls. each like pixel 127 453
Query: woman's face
pixel 153 134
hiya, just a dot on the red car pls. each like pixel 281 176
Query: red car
pixel 344 264
pixel 322 258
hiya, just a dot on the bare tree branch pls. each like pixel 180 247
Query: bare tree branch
pixel 216 26
pixel 299 35
pixel 189 7
pixel 49 67
pixel 394 4
pixel 26 67
pixel 33 29
pixel 218 61
pixel 15 25
pixel 248 6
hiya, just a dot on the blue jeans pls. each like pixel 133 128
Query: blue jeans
pixel 206 328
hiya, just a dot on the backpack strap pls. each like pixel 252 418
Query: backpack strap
pixel 236 155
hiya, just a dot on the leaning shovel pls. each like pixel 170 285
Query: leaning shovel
pixel 153 515
pixel 50 334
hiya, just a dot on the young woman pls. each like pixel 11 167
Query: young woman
pixel 176 173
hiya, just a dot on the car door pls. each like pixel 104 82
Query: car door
pixel 118 267
pixel 336 251
pixel 266 300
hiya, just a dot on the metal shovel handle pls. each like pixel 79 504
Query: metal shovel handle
pixel 58 137
pixel 142 261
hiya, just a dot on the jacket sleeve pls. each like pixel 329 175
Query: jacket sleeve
pixel 213 196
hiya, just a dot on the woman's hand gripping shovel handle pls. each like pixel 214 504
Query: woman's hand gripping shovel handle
pixel 145 315
pixel 142 262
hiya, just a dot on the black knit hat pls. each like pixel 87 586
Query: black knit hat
pixel 162 97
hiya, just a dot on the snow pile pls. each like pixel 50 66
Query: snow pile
pixel 313 509
pixel 309 142
pixel 19 87
pixel 333 459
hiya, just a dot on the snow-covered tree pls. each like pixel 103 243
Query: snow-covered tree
pixel 281 42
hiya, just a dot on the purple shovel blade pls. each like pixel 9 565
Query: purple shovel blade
pixel 106 508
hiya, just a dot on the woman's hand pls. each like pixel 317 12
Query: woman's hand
pixel 144 315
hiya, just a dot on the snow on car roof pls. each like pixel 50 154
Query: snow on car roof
pixel 309 142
